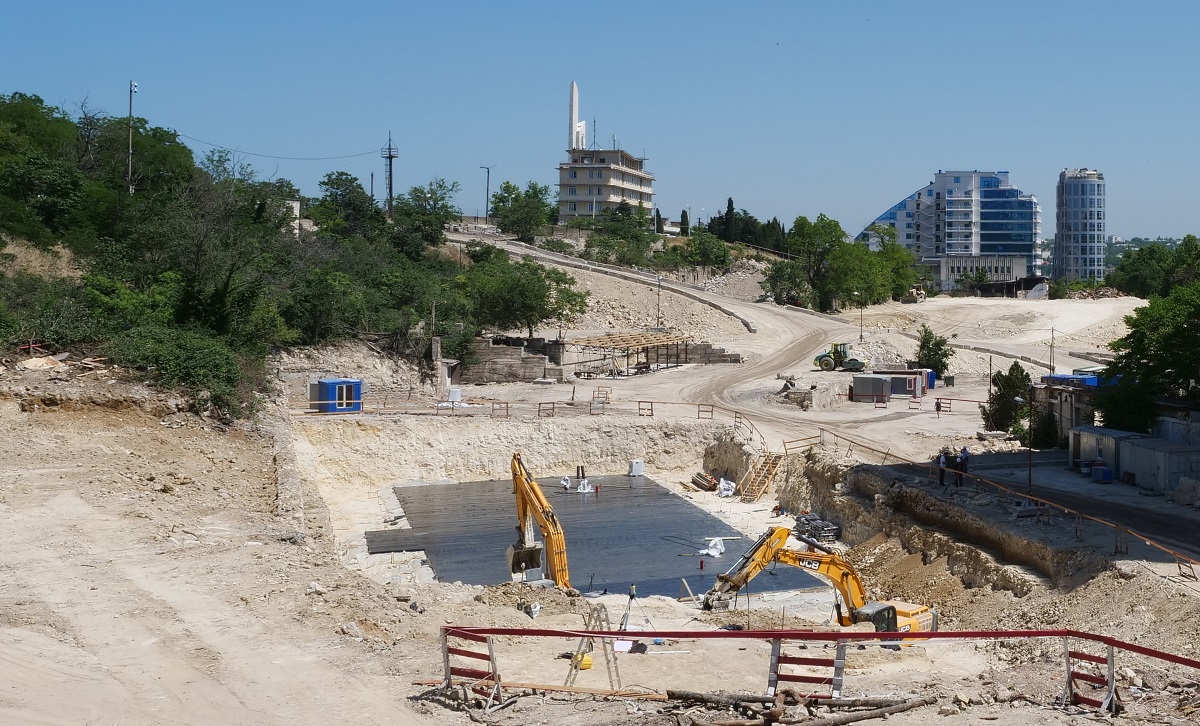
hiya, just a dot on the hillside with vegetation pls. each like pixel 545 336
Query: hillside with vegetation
pixel 194 269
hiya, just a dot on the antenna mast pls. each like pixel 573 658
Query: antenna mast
pixel 389 154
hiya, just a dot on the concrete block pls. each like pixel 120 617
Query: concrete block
pixel 1188 492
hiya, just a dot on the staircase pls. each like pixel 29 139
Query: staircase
pixel 758 481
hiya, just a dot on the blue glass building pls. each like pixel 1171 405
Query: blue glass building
pixel 964 221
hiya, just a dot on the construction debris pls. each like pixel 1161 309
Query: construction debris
pixel 805 708
pixel 59 362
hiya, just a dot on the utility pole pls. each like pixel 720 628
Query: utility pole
pixel 129 172
pixel 389 154
pixel 487 195
pixel 1052 351
pixel 659 317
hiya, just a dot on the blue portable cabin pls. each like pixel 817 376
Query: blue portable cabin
pixel 339 395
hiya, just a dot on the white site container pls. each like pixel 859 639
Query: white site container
pixel 1089 443
pixel 455 395
pixel 1158 464
pixel 637 467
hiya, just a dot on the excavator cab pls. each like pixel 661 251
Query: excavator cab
pixel 881 615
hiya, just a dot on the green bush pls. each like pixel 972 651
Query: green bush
pixel 194 361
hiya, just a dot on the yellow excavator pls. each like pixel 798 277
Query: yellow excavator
pixel 891 616
pixel 532 506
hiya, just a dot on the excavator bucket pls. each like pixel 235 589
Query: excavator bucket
pixel 523 560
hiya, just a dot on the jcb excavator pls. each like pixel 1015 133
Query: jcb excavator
pixel 888 616
pixel 532 505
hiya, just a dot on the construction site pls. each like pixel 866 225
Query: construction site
pixel 672 511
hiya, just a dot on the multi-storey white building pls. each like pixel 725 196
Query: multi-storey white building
pixel 1079 237
pixel 592 180
pixel 963 221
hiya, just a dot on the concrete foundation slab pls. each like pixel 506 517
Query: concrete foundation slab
pixel 631 531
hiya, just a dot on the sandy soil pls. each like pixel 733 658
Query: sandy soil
pixel 154 566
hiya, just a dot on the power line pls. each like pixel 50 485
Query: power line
pixel 271 156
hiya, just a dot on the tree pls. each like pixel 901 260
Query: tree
pixel 933 351
pixel 345 208
pixel 524 294
pixel 970 281
pixel 1002 413
pixel 853 268
pixel 771 235
pixel 522 212
pixel 658 221
pixel 1159 352
pixel 786 282
pixel 730 231
pixel 1144 272
pixel 1186 262
pixel 900 267
pixel 427 210
pixel 707 250
pixel 684 226
pixel 812 243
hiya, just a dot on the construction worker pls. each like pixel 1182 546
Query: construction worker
pixel 964 459
pixel 941 462
pixel 937 406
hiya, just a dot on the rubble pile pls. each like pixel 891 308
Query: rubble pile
pixel 740 281
pixel 1099 293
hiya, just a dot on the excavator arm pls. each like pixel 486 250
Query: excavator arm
pixel 756 559
pixel 772 547
pixel 533 507
pixel 839 573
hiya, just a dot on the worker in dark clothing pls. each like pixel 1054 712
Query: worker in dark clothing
pixel 941 462
pixel 937 406
pixel 964 458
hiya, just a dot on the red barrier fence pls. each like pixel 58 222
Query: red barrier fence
pixel 1071 695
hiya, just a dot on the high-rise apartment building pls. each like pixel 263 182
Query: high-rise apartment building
pixel 1079 237
pixel 964 221
pixel 592 180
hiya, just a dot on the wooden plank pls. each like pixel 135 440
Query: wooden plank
pixel 467 653
pixel 799 660
pixel 472 673
pixel 573 689
pixel 466 635
pixel 1088 677
pixel 795 678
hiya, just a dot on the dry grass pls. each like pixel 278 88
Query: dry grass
pixel 20 256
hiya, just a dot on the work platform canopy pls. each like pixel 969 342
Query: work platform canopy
pixel 642 351
pixel 628 341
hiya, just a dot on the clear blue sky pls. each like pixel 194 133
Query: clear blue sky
pixel 789 107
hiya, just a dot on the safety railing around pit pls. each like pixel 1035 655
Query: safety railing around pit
pixel 1033 505
pixel 598 402
pixel 1071 694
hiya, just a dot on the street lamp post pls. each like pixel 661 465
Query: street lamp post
pixel 860 316
pixel 487 195
pixel 1029 432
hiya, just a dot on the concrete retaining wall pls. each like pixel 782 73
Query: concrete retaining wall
pixel 508 364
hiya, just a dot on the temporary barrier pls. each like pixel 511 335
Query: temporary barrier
pixel 1071 696
pixel 476 678
pixel 833 680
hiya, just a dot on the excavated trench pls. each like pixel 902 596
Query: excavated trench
pixel 871 500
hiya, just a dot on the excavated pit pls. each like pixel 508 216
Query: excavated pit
pixel 870 500
pixel 355 466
